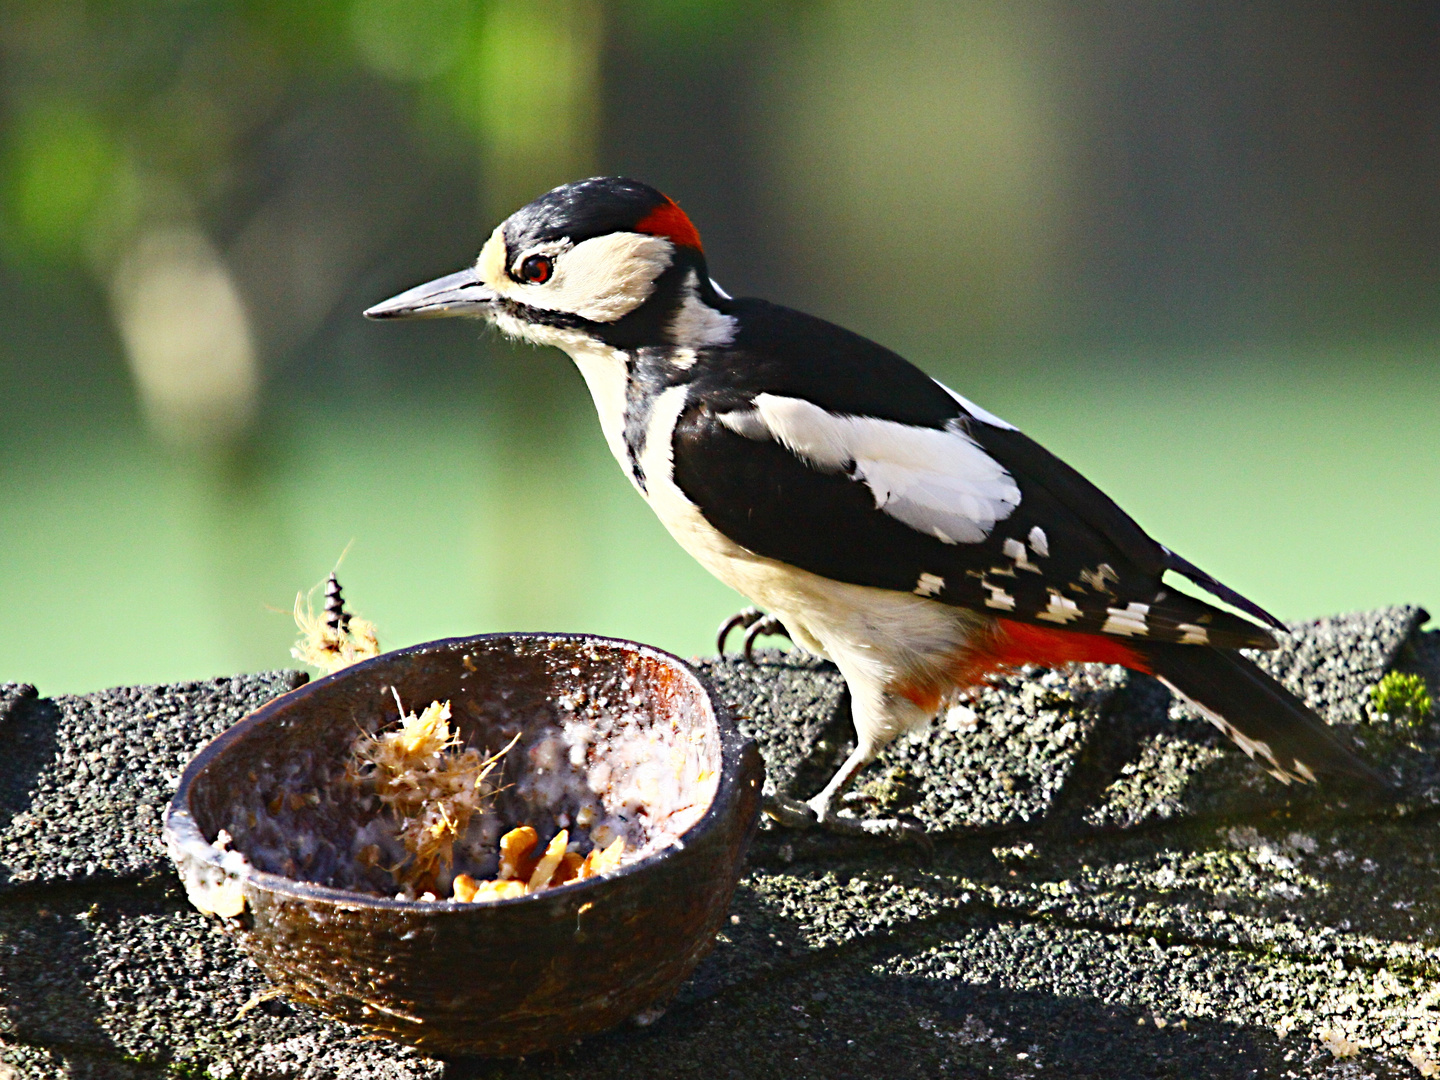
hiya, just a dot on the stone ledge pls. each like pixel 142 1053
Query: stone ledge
pixel 1113 892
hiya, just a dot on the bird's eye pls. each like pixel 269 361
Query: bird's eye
pixel 536 269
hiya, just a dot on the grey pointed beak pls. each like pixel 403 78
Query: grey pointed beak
pixel 460 293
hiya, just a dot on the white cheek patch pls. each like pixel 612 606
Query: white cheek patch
pixel 939 482
pixel 601 279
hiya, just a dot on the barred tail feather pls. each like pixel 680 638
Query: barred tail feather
pixel 1260 715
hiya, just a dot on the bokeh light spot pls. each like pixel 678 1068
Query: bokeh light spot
pixel 61 160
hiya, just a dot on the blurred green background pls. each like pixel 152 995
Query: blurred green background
pixel 1190 247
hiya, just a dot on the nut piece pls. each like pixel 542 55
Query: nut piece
pixel 603 862
pixel 515 847
pixel 549 862
pixel 464 888
pixel 569 868
pixel 498 890
pixel 470 891
pixel 522 871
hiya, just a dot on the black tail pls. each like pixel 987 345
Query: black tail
pixel 1262 717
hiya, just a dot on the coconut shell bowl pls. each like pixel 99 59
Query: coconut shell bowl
pixel 271 831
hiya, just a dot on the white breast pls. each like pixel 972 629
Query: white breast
pixel 604 370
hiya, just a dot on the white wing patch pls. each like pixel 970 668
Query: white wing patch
pixel 1014 549
pixel 929 585
pixel 1061 609
pixel 976 411
pixel 998 597
pixel 1193 634
pixel 939 482
pixel 1127 621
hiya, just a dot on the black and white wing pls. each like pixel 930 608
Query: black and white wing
pixel 862 469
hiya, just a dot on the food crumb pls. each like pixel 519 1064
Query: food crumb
pixel 431 786
pixel 521 873
pixel 334 638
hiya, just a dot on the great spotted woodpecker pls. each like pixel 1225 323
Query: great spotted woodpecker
pixel 891 525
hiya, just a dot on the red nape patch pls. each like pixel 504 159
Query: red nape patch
pixel 1018 643
pixel 669 221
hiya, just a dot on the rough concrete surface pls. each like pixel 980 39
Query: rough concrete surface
pixel 1113 891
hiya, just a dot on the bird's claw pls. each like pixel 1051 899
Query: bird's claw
pixel 789 812
pixel 741 619
pixel 897 831
pixel 794 814
pixel 756 624
pixel 893 830
pixel 768 625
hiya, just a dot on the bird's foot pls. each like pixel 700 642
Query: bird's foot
pixel 756 624
pixel 791 813
pixel 788 812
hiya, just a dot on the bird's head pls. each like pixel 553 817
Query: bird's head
pixel 604 261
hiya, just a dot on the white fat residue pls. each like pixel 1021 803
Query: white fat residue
pixel 609 782
pixel 214 875
pixel 596 760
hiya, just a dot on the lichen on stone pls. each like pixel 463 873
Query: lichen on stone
pixel 1402 697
